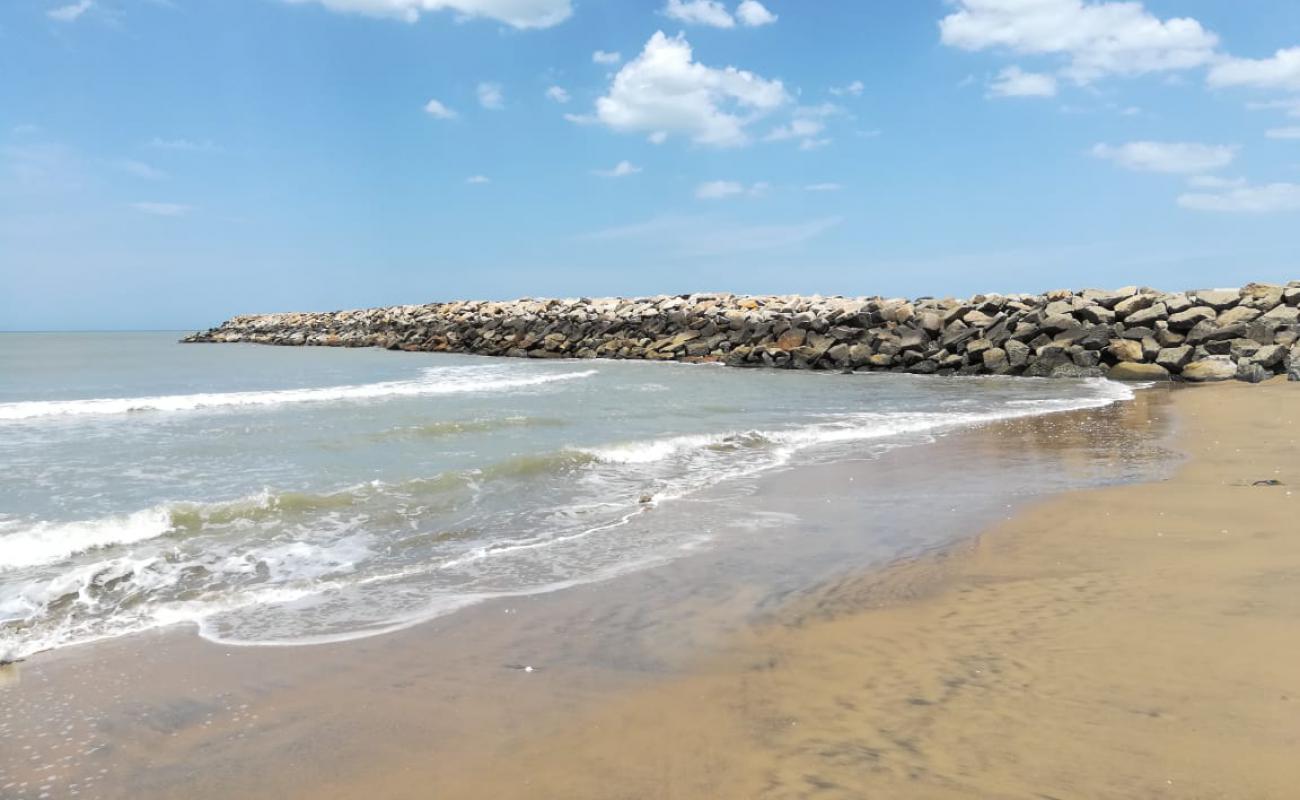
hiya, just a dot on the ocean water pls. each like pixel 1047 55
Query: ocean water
pixel 299 495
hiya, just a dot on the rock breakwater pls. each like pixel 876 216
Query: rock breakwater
pixel 1248 334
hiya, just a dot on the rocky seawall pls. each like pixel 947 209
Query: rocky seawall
pixel 1248 334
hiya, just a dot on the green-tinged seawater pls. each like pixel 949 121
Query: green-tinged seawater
pixel 298 495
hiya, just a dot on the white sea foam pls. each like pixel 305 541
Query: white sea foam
pixel 51 542
pixel 434 381
pixel 860 427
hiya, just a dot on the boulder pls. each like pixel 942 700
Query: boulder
pixel 1186 320
pixel 1217 299
pixel 1252 373
pixel 1174 359
pixel 1149 315
pixel 1269 356
pixel 995 360
pixel 1215 368
pixel 1130 371
pixel 1131 305
pixel 1124 350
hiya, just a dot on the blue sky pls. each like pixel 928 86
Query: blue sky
pixel 169 163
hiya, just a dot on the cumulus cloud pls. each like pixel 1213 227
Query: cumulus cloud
pixel 753 14
pixel 515 13
pixel 478 180
pixel 700 12
pixel 602 57
pixel 750 13
pixel 490 96
pixel 435 108
pixel 1096 38
pixel 71 12
pixel 1171 157
pixel 1281 71
pixel 620 170
pixel 558 93
pixel 1015 82
pixel 1245 199
pixel 822 187
pixel 162 209
pixel 1283 133
pixel 664 91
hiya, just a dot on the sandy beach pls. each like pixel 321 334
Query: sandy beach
pixel 1135 641
pixel 1130 641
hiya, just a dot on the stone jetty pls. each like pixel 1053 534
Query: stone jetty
pixel 1135 333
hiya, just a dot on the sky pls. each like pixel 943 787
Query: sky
pixel 166 164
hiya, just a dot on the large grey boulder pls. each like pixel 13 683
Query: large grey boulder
pixel 1252 373
pixel 1186 320
pixel 1218 299
pixel 1174 358
pixel 1293 363
pixel 1214 368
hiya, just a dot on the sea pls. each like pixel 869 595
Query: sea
pixel 291 496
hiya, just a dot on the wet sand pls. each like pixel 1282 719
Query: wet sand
pixel 1133 641
pixel 1137 641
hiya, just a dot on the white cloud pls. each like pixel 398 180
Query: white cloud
pixel 162 209
pixel 700 12
pixel 1290 107
pixel 435 108
pixel 478 180
pixel 854 89
pixel 516 13
pixel 490 96
pixel 822 187
pixel 753 14
pixel 1247 199
pixel 602 57
pixel 798 128
pixel 1097 38
pixel 1215 182
pixel 620 170
pixel 558 93
pixel 717 190
pixel 806 124
pixel 1015 82
pixel 186 145
pixel 1281 71
pixel 1174 157
pixel 140 169
pixel 70 12
pixel 664 91
pixel 1284 133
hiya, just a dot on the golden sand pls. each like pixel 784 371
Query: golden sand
pixel 1133 642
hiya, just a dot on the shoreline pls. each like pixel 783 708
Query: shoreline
pixel 1133 641
pixel 179 698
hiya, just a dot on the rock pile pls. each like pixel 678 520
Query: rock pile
pixel 1128 334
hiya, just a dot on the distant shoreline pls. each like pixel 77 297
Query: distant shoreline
pixel 1138 334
